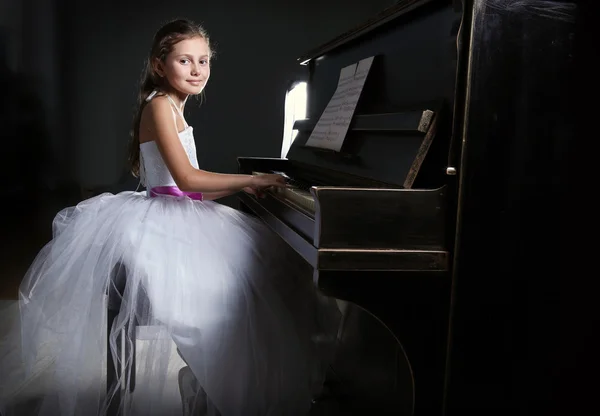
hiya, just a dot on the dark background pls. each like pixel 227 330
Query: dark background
pixel 70 71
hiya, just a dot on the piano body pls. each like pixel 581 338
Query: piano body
pixel 373 220
pixel 376 221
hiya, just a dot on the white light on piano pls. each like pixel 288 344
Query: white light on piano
pixel 295 109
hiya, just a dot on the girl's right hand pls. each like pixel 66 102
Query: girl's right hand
pixel 267 181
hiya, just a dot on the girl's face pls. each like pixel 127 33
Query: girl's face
pixel 187 67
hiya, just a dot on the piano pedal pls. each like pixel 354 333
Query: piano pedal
pixel 330 390
pixel 330 405
pixel 326 402
pixel 325 408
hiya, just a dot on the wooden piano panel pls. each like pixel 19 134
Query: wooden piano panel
pixel 380 218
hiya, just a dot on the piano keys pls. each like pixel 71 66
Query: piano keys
pixel 295 193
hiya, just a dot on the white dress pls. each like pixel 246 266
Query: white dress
pixel 235 300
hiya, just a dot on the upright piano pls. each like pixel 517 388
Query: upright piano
pixel 374 219
pixel 378 219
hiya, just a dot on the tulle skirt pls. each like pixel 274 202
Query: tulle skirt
pixel 190 279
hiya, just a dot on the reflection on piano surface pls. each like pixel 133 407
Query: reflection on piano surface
pixel 372 220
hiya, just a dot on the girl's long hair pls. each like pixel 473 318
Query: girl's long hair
pixel 164 40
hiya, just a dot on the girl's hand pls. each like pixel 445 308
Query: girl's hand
pixel 261 182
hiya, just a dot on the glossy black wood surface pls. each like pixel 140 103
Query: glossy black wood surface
pixel 513 168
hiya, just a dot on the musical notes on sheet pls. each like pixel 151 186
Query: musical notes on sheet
pixel 330 131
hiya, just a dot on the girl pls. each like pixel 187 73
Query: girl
pixel 212 281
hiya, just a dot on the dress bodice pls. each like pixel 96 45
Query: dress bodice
pixel 154 170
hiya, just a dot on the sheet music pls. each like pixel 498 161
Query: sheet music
pixel 330 131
